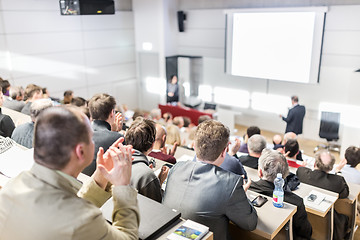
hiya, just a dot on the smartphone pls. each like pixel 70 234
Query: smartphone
pixel 259 201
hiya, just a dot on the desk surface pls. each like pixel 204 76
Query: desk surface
pixel 271 219
pixel 303 191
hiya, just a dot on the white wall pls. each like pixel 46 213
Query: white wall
pixel 205 36
pixel 87 54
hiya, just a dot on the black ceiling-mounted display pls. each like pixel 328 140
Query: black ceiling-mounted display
pixel 86 7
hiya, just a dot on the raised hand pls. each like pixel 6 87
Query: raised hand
pixel 118 123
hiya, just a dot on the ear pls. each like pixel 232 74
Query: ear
pixel 164 138
pixel 223 153
pixel 79 152
pixel 260 173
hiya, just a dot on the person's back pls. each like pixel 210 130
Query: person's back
pixel 23 134
pixel 48 202
pixel 204 192
pixel 320 176
pixel 209 195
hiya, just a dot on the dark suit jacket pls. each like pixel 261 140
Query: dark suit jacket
pixel 321 179
pixel 295 119
pixel 209 195
pixel 232 164
pixel 301 228
pixel 7 125
pixel 249 161
pixel 103 137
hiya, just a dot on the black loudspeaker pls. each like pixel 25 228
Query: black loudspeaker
pixel 181 18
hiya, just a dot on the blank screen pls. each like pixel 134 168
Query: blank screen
pixel 282 46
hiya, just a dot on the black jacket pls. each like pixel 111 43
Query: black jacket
pixel 321 179
pixel 295 119
pixel 249 161
pixel 103 137
pixel 301 226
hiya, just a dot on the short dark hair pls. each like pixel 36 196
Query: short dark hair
pixel 211 138
pixel 4 84
pixel 57 131
pixel 292 146
pixel 352 156
pixel 68 93
pixel 252 131
pixel 101 105
pixel 295 99
pixel 203 118
pixel 187 121
pixel 78 101
pixel 141 134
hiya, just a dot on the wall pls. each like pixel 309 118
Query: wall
pixel 205 35
pixel 88 54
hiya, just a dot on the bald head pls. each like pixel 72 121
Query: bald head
pixel 324 161
pixel 160 137
pixel 277 139
pixel 287 136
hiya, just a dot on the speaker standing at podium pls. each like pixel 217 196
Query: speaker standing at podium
pixel 173 91
pixel 295 117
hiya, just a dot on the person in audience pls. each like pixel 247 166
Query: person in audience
pixel 206 193
pixel 5 86
pixel 249 132
pixel 272 162
pixel 256 144
pixel 24 133
pixel 105 124
pixel 48 201
pixel 187 123
pixel 277 142
pixel 173 135
pixel 291 149
pixel 155 115
pixel 68 97
pixel 32 92
pixel 141 135
pixel 320 176
pixel 159 146
pixel 231 163
pixel 347 166
pixel 295 117
pixel 168 117
pixel 78 101
pixel 46 95
pixel 178 121
pixel 203 118
pixel 15 100
pixel 7 125
pixel 288 136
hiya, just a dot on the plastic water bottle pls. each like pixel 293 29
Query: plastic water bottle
pixel 278 194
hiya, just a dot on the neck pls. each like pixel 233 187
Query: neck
pixel 217 162
pixel 252 154
pixel 157 145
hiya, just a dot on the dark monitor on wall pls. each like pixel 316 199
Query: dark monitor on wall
pixel 86 7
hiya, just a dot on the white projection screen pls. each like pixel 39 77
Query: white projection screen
pixel 275 44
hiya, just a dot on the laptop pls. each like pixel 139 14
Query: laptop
pixel 154 217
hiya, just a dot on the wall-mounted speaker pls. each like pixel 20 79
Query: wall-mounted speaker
pixel 181 16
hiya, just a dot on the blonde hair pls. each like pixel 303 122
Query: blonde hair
pixel 173 135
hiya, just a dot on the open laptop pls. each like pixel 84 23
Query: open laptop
pixel 154 217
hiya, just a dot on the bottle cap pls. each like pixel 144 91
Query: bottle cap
pixel 279 175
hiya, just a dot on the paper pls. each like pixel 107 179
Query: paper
pixel 15 160
pixel 319 201
pixel 184 158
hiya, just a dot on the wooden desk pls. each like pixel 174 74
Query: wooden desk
pixel 17 117
pixel 321 221
pixel 271 221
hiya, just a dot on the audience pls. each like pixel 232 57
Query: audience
pixel 24 133
pixel 291 149
pixel 178 121
pixel 231 163
pixel 68 97
pixel 272 162
pixel 5 86
pixel 6 123
pixel 249 132
pixel 159 146
pixel 105 124
pixel 277 142
pixel 15 100
pixel 204 192
pixel 78 101
pixel 347 166
pixel 256 144
pixel 141 135
pixel 173 135
pixel 32 93
pixel 47 201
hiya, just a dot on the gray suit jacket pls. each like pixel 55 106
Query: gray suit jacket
pixel 209 195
